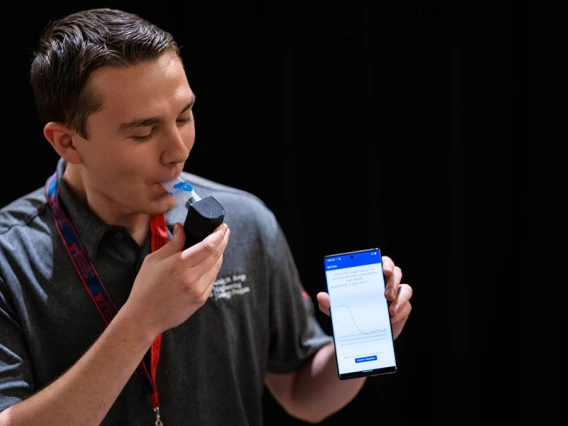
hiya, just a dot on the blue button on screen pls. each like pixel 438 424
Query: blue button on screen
pixel 366 359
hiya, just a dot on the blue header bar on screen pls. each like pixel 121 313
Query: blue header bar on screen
pixel 349 260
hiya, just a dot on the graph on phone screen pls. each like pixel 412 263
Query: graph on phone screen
pixel 359 312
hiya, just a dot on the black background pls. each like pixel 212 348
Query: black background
pixel 433 130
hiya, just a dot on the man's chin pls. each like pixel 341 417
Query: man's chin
pixel 164 204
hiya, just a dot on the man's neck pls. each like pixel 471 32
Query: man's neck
pixel 137 224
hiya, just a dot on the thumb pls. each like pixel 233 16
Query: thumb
pixel 177 242
pixel 323 302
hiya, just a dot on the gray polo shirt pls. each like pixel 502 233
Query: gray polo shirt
pixel 212 367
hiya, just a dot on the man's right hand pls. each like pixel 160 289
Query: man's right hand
pixel 173 283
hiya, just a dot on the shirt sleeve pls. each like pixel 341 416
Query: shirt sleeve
pixel 295 333
pixel 16 378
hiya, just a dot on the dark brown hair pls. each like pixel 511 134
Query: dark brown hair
pixel 71 48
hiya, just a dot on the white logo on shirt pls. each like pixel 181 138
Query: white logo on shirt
pixel 229 286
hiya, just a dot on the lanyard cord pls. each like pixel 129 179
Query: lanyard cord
pixel 95 287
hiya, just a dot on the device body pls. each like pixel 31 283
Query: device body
pixel 203 216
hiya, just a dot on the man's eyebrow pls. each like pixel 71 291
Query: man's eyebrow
pixel 150 121
pixel 189 105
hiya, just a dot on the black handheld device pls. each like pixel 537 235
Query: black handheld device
pixel 203 216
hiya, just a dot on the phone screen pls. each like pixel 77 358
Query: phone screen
pixel 362 333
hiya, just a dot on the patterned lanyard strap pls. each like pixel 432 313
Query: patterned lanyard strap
pixel 95 287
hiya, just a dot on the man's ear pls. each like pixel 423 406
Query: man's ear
pixel 61 139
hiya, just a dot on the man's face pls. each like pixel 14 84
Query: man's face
pixel 142 135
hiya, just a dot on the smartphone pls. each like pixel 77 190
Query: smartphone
pixel 359 311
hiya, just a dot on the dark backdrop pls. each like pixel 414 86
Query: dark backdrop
pixel 431 130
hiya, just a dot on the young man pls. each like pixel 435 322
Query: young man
pixel 196 333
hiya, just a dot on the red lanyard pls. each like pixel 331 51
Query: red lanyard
pixel 95 287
